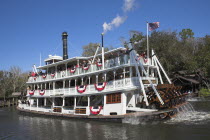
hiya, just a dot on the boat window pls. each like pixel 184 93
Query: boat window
pixel 113 98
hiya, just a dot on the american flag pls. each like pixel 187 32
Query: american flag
pixel 154 25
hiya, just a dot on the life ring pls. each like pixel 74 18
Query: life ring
pixel 96 111
pixel 44 76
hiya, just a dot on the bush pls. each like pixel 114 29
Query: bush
pixel 204 92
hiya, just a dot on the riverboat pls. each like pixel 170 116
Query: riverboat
pixel 110 85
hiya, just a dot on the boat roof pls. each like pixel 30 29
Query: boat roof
pixel 77 58
pixel 55 57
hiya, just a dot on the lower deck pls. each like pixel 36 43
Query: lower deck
pixel 118 103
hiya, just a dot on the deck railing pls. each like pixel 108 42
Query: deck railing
pixel 118 61
pixel 110 86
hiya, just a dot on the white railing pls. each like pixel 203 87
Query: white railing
pixel 110 63
pixel 111 85
pixel 90 89
pixel 92 68
pixel 35 108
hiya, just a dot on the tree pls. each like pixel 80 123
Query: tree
pixel 186 34
pixel 90 49
pixel 12 81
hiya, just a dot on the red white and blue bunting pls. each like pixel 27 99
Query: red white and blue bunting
pixel 73 69
pixel 100 86
pixel 81 88
pixel 42 92
pixel 85 67
pixel 31 92
pixel 99 64
pixel 44 76
pixel 52 74
pixel 96 111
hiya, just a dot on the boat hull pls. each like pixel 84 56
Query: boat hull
pixel 160 115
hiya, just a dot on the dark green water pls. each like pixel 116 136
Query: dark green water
pixel 187 126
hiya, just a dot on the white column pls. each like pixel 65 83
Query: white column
pixel 89 83
pixel 96 79
pixel 64 87
pixel 118 59
pixel 37 103
pixel 78 67
pixel 66 70
pixel 56 72
pixel 63 104
pixel 54 88
pixel 53 102
pixel 30 103
pixel 75 102
pixel 45 101
pixel 114 79
pixel 88 101
pixel 131 72
pixel 124 76
pixel 123 102
pixel 104 108
pixel 105 77
pixel 82 81
pixel 75 86
pixel 69 85
pixel 49 89
pixel 63 101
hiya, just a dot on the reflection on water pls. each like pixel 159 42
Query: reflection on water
pixel 191 125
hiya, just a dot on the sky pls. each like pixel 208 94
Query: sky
pixel 29 28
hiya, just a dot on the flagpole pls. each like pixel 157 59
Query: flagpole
pixel 147 40
pixel 102 45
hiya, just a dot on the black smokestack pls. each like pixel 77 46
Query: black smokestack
pixel 65 49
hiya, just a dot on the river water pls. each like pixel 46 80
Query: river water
pixel 189 125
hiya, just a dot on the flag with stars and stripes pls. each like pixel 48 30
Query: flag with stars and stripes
pixel 154 25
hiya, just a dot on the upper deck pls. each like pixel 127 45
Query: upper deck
pixel 82 66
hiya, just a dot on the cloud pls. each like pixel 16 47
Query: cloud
pixel 128 5
pixel 116 22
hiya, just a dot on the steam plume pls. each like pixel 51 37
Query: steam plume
pixel 128 5
pixel 116 22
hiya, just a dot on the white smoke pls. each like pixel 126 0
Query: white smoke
pixel 116 22
pixel 128 5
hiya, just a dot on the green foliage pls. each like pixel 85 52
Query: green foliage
pixel 12 81
pixel 204 92
pixel 186 33
pixel 90 49
pixel 189 54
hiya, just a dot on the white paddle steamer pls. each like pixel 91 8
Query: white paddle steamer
pixel 108 85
